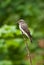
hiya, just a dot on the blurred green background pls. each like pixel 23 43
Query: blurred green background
pixel 12 46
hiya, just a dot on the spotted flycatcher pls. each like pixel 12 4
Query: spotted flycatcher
pixel 24 29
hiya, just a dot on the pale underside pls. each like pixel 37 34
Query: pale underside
pixel 23 31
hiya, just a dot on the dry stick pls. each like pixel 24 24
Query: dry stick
pixel 27 48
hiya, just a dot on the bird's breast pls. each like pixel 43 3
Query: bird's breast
pixel 23 31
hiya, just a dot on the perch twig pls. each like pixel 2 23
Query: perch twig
pixel 27 48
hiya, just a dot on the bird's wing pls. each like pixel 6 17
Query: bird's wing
pixel 25 29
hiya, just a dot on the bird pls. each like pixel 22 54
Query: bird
pixel 24 29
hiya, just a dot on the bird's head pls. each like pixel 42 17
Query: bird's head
pixel 20 21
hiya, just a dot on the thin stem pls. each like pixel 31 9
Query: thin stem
pixel 28 54
pixel 27 48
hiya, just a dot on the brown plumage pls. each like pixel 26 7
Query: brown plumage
pixel 24 28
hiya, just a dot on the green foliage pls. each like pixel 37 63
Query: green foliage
pixel 12 47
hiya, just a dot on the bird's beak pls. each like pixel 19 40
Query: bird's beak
pixel 17 22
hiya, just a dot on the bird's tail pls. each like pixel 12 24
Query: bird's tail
pixel 30 37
